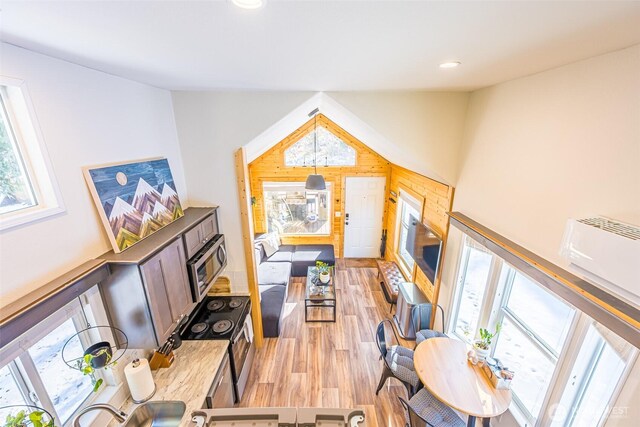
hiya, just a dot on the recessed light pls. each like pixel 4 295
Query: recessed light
pixel 249 4
pixel 451 64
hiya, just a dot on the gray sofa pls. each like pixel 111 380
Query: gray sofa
pixel 275 272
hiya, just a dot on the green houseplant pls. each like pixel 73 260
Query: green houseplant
pixel 23 418
pixel 324 271
pixel 96 359
pixel 482 346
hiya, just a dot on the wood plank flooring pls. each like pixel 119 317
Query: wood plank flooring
pixel 329 364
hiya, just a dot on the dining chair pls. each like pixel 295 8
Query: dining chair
pixel 397 361
pixel 421 321
pixel 424 409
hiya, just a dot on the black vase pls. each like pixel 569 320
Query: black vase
pixel 101 353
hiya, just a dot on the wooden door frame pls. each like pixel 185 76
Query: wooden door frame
pixel 246 221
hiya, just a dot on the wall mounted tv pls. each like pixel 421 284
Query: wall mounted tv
pixel 425 247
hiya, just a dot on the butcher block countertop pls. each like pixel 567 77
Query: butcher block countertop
pixel 190 376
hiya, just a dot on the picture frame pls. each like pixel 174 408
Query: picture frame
pixel 134 199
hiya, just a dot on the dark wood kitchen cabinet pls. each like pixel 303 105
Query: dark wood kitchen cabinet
pixel 148 289
pixel 167 286
pixel 199 235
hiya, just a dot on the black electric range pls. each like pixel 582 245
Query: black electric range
pixel 217 318
pixel 226 318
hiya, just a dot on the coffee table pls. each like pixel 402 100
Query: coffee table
pixel 318 295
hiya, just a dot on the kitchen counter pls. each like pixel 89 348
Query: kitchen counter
pixel 189 377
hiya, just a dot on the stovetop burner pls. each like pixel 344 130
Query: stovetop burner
pixel 216 304
pixel 235 303
pixel 222 326
pixel 199 328
pixel 217 318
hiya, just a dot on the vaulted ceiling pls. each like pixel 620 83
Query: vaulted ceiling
pixel 321 45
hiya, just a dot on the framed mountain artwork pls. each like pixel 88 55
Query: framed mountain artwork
pixel 134 199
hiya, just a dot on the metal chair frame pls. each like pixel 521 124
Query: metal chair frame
pixel 418 326
pixel 415 420
pixel 386 369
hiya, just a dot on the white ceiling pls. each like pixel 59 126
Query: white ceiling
pixel 320 45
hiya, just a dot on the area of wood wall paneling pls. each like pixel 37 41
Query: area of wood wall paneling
pixel 438 199
pixel 270 167
pixel 246 220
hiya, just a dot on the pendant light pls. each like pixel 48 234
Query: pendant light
pixel 315 181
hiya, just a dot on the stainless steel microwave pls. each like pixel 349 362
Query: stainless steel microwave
pixel 205 266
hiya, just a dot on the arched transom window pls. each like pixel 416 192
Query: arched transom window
pixel 332 151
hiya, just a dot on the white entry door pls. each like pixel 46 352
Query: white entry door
pixel 364 207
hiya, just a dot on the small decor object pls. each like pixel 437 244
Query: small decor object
pixel 27 415
pixel 324 272
pixel 499 375
pixel 140 380
pixel 100 353
pixel 134 199
pixel 482 346
pixel 96 356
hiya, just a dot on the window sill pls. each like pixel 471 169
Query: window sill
pixel 403 268
pixel 17 219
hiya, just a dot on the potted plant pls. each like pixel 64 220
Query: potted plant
pixel 324 272
pixel 101 354
pixel 97 356
pixel 23 418
pixel 482 346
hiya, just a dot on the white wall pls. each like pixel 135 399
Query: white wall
pixel 560 144
pixel 212 125
pixel 87 118
pixel 428 126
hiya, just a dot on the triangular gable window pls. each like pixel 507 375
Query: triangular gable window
pixel 332 151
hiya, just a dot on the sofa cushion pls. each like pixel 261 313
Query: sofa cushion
pixel 306 256
pixel 274 273
pixel 259 253
pixel 272 299
pixel 284 254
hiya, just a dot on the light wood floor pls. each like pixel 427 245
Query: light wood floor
pixel 325 364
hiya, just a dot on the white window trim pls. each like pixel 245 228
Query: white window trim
pixel 575 337
pixel 14 355
pixel 405 197
pixel 35 156
pixel 295 186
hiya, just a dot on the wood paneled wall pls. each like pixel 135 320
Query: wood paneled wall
pixel 437 201
pixel 270 167
pixel 437 197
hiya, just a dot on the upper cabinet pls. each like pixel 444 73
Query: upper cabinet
pixel 148 289
pixel 199 235
pixel 167 286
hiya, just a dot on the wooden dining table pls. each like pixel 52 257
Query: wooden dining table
pixel 443 368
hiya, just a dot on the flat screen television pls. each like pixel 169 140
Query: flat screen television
pixel 425 247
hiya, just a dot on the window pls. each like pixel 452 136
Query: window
pixel 332 151
pixel 27 188
pixel 600 365
pixel 535 325
pixel 560 380
pixel 290 209
pixel 472 279
pixel 32 369
pixel 407 206
pixel 16 191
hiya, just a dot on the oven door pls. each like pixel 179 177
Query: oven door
pixel 243 351
pixel 206 266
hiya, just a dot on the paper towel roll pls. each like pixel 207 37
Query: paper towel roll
pixel 140 380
